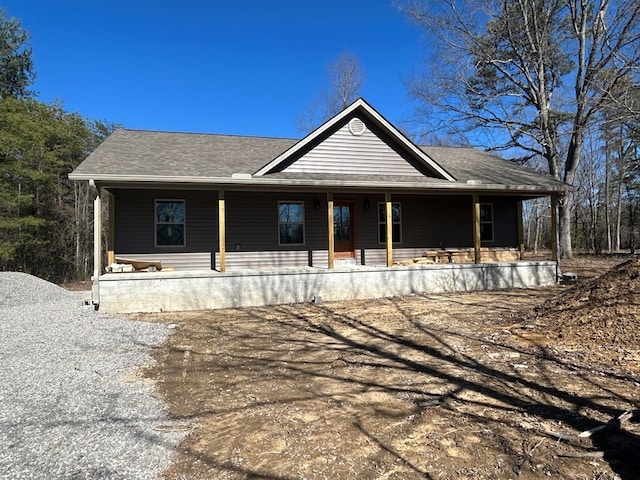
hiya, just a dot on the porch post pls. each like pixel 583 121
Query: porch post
pixel 97 248
pixel 520 229
pixel 389 229
pixel 330 230
pixel 476 228
pixel 111 240
pixel 554 227
pixel 222 241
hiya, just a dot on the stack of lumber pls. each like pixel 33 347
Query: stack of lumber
pixel 463 255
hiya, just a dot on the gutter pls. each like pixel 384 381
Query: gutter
pixel 471 186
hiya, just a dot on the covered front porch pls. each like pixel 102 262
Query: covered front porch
pixel 232 277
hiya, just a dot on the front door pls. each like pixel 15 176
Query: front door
pixel 343 234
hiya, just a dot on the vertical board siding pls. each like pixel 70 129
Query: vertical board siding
pixel 344 153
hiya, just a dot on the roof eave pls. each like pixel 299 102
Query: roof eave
pixel 261 182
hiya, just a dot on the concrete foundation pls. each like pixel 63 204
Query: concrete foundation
pixel 175 291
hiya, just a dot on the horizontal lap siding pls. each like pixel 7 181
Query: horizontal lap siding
pixel 433 221
pixel 344 153
pixel 252 225
pixel 252 221
pixel 260 259
pixel 252 230
pixel 135 220
pixel 378 256
pixel 505 217
pixel 176 261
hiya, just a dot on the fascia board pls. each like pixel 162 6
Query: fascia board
pixel 261 182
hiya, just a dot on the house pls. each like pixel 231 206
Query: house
pixel 234 220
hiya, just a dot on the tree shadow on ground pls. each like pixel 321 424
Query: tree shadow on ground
pixel 379 374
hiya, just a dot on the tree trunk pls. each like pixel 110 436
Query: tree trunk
pixel 564 227
pixel 619 215
pixel 607 199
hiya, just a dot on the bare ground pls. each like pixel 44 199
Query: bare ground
pixel 467 385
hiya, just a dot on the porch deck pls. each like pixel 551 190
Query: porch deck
pixel 210 289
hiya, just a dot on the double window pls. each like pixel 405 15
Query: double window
pixel 170 223
pixel 486 222
pixel 290 223
pixel 396 218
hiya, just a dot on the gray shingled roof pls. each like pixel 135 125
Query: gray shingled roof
pixel 141 152
pixel 469 164
pixel 134 155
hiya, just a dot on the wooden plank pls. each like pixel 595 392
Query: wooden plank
pixel 222 231
pixel 332 253
pixel 139 263
pixel 389 229
pixel 476 228
pixel 186 261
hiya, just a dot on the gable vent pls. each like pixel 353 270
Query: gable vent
pixel 356 127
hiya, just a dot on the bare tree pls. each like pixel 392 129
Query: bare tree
pixel 345 77
pixel 528 75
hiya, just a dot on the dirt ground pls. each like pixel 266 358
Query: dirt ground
pixel 454 386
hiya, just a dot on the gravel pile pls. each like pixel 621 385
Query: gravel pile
pixel 71 404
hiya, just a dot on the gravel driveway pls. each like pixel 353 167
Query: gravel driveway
pixel 71 404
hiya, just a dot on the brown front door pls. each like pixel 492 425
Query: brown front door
pixel 343 234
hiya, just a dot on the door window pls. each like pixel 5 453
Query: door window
pixel 342 223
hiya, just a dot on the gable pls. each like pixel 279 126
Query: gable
pixel 354 149
pixel 364 115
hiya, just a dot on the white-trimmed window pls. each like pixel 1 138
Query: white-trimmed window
pixel 170 223
pixel 290 223
pixel 396 227
pixel 486 222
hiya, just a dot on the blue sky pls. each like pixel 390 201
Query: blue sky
pixel 235 67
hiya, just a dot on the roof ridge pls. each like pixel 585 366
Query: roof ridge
pixel 170 132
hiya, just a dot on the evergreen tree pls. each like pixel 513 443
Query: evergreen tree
pixel 16 65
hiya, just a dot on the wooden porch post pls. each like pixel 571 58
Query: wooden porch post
pixel 222 241
pixel 111 239
pixel 330 229
pixel 97 248
pixel 476 228
pixel 520 229
pixel 554 227
pixel 389 229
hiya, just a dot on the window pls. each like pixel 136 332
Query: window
pixel 396 228
pixel 486 222
pixel 291 223
pixel 170 223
